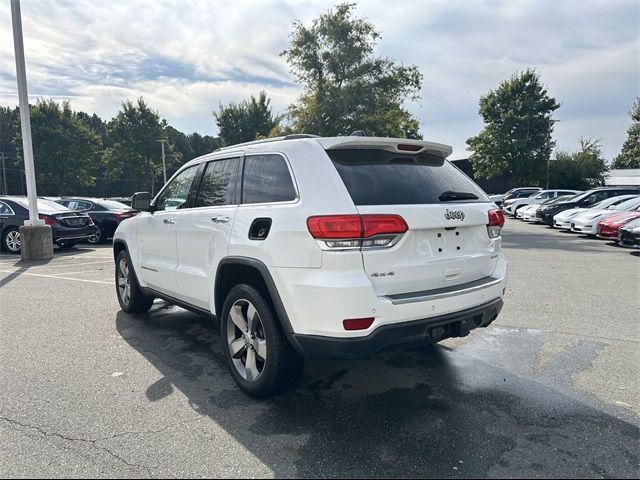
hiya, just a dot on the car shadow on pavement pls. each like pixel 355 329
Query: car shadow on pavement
pixel 429 413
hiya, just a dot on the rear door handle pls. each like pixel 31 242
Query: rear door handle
pixel 220 219
pixel 169 221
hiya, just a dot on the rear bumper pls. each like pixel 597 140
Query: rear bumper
pixel 401 335
pixel 65 235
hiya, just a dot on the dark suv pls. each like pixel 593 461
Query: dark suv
pixel 585 200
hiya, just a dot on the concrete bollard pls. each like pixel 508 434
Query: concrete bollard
pixel 36 242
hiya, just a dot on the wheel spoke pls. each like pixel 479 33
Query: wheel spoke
pixel 261 349
pixel 238 318
pixel 251 317
pixel 237 348
pixel 251 366
pixel 122 282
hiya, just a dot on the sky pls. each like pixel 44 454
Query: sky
pixel 187 57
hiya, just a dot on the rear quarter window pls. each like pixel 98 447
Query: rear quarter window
pixel 378 177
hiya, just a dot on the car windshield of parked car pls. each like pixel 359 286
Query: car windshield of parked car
pixel 626 205
pixel 113 205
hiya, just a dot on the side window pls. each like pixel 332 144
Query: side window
pixel 219 185
pixel 73 205
pixel 4 209
pixel 267 180
pixel 175 195
pixel 83 206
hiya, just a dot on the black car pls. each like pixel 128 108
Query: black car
pixel 68 227
pixel 584 200
pixel 106 214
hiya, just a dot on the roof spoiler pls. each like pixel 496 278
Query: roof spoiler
pixel 396 145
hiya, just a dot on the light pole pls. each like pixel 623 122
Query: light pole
pixel 4 175
pixel 36 240
pixel 164 166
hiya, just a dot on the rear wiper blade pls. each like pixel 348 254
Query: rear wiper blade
pixel 451 195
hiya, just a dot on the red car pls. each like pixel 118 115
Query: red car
pixel 608 228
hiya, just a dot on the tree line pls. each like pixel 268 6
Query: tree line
pixel 345 87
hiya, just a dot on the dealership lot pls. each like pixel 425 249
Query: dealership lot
pixel 550 389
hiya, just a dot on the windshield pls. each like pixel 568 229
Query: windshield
pixel 379 177
pixel 626 205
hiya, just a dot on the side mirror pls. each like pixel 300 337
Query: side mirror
pixel 141 201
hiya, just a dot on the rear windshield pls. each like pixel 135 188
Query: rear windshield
pixel 44 206
pixel 378 177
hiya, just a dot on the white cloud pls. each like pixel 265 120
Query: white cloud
pixel 186 56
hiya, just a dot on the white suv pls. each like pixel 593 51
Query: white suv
pixel 306 246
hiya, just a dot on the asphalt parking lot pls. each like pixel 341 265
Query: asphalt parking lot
pixel 551 389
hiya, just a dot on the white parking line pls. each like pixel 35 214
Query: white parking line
pixel 76 273
pixel 40 267
pixel 83 280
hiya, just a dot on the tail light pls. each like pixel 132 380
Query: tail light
pixel 122 215
pixel 48 220
pixel 356 231
pixel 496 222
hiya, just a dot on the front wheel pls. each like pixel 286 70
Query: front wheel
pixel 258 355
pixel 130 296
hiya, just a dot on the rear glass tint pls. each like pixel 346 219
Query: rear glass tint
pixel 378 177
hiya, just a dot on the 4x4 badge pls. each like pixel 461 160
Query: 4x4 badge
pixel 451 215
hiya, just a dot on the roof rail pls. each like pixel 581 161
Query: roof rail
pixel 293 136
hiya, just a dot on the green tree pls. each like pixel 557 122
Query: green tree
pixel 201 145
pixel 66 152
pixel 579 170
pixel 9 127
pixel 245 121
pixel 629 157
pixel 517 133
pixel 346 87
pixel 133 156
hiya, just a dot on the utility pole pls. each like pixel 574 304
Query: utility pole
pixel 164 166
pixel 36 240
pixel 4 174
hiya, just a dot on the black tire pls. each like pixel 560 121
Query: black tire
pixel 131 300
pixel 11 240
pixel 282 365
pixel 67 245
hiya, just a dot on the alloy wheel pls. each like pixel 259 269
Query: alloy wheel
pixel 246 340
pixel 124 282
pixel 12 241
pixel 95 238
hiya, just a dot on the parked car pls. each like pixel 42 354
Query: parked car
pixel 309 246
pixel 68 227
pixel 629 234
pixel 587 222
pixel 585 200
pixel 608 227
pixel 520 192
pixel 563 219
pixel 529 213
pixel 106 214
pixel 497 199
pixel 512 205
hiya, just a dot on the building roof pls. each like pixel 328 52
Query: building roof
pixel 626 176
